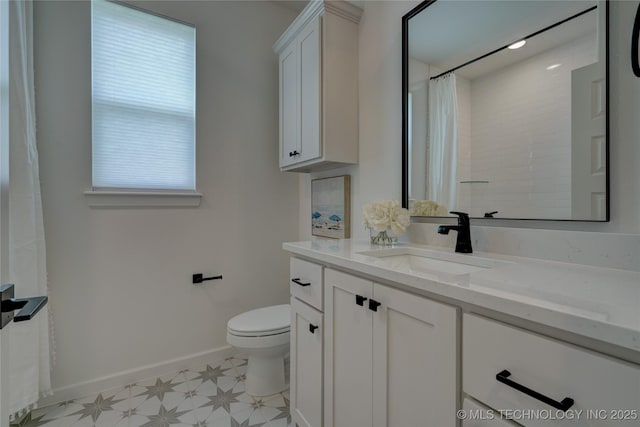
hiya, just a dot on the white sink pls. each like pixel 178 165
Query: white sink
pixel 432 261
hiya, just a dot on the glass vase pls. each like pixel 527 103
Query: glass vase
pixel 383 238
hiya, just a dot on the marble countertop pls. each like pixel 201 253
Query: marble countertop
pixel 599 303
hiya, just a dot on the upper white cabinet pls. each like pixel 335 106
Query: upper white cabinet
pixel 318 56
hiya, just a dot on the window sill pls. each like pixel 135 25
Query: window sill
pixel 142 199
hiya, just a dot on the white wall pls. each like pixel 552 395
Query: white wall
pixel 120 279
pixel 378 174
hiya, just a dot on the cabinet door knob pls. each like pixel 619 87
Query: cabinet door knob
pixel 312 328
pixel 565 404
pixel 295 153
pixel 373 305
pixel 297 281
pixel 360 300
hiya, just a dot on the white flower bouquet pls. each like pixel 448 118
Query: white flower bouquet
pixel 428 208
pixel 380 217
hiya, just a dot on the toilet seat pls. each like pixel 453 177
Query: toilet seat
pixel 261 322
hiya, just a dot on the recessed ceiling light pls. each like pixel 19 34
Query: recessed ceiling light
pixel 553 67
pixel 517 45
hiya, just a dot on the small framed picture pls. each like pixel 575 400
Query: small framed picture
pixel 330 207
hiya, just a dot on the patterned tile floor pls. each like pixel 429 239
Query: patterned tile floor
pixel 208 396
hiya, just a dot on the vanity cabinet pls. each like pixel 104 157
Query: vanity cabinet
pixel 390 356
pixel 606 390
pixel 306 343
pixel 318 80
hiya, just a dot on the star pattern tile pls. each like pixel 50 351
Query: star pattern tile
pixel 30 422
pixel 183 400
pixel 97 407
pixel 210 374
pixel 165 418
pixel 223 399
pixel 159 389
pixel 235 423
pixel 284 413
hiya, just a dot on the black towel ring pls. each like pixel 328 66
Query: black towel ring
pixel 635 35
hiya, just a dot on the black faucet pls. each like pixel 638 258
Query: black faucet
pixel 463 243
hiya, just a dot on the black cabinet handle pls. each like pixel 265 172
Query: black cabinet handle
pixel 298 282
pixel 635 35
pixel 373 305
pixel 312 328
pixel 565 404
pixel 293 153
pixel 360 300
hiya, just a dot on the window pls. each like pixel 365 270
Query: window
pixel 143 100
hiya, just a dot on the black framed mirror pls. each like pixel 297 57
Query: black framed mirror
pixel 506 109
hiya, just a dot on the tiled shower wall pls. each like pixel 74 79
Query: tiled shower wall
pixel 527 163
pixel 463 98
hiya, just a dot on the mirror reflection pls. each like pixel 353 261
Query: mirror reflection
pixel 506 109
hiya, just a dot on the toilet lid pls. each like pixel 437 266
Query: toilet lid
pixel 262 321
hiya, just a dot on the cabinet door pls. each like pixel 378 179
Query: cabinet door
pixel 289 105
pixel 309 54
pixel 348 360
pixel 414 361
pixel 306 365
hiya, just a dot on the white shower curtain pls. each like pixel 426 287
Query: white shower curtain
pixel 443 141
pixel 29 359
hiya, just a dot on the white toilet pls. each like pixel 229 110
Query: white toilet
pixel 263 335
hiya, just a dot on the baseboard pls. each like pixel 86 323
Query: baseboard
pixel 120 379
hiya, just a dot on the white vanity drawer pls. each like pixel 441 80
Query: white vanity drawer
pixel 552 368
pixel 306 282
pixel 475 415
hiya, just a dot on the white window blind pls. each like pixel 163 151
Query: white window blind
pixel 143 100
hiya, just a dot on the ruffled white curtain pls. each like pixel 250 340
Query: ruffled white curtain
pixel 29 358
pixel 443 141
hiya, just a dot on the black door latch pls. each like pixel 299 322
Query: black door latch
pixel 8 305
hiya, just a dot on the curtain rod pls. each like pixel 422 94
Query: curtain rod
pixel 524 38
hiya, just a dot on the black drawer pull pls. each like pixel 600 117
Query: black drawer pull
pixel 635 35
pixel 373 305
pixel 360 300
pixel 566 403
pixel 312 328
pixel 298 282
